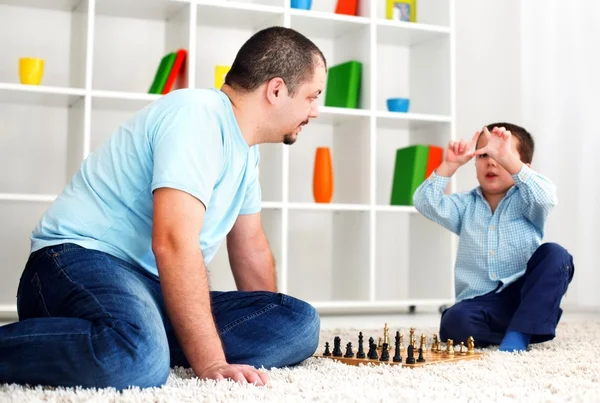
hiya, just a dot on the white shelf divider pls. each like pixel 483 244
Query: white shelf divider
pixel 26 197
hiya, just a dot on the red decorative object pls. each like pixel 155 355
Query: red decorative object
pixel 323 176
pixel 348 7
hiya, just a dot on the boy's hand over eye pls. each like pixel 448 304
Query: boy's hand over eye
pixel 499 144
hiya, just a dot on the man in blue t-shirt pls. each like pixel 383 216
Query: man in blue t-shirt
pixel 115 291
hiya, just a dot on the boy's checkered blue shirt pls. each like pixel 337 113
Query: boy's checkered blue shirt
pixel 494 248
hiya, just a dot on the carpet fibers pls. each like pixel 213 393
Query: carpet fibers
pixel 565 369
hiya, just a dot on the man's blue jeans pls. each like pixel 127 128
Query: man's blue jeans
pixel 89 319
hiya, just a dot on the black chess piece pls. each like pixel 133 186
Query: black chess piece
pixel 385 354
pixel 397 357
pixel 420 359
pixel 349 352
pixel 361 351
pixel 327 353
pixel 410 354
pixel 372 350
pixel 337 351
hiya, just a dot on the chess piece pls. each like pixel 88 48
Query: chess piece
pixel 349 352
pixel 421 358
pixel 412 337
pixel 385 354
pixel 386 334
pixel 410 355
pixel 372 354
pixel 401 342
pixel 361 352
pixel 327 353
pixel 337 351
pixel 434 343
pixel 439 347
pixel 450 346
pixel 379 344
pixel 423 341
pixel 462 348
pixel 470 345
pixel 397 357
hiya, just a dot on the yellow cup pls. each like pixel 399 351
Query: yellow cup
pixel 31 70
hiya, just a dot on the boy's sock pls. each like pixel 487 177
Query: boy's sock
pixel 514 341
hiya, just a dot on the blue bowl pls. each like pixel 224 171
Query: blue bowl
pixel 302 4
pixel 398 104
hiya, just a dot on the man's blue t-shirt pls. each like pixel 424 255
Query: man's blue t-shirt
pixel 188 140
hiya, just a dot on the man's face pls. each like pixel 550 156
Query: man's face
pixel 296 111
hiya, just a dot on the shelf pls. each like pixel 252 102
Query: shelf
pixel 328 255
pixel 337 116
pixel 398 120
pixel 41 95
pixel 116 100
pixel 27 197
pixel 60 5
pixel 429 12
pixel 408 34
pixel 397 209
pixel 356 307
pixel 18 220
pixel 271 205
pixel 50 32
pixel 355 254
pixel 350 163
pixel 324 24
pixel 132 37
pixel 161 10
pixel 236 14
pixel 328 207
pixel 270 171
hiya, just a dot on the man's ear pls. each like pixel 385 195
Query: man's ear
pixel 275 89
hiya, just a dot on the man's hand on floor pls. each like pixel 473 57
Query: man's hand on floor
pixel 236 372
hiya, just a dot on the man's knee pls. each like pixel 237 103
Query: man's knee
pixel 303 328
pixel 133 358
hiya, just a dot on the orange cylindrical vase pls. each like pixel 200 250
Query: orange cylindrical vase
pixel 323 176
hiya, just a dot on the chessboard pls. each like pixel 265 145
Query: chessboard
pixel 426 353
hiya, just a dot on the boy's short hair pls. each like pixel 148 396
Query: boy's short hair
pixel 526 143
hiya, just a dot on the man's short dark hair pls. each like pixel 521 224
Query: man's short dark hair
pixel 526 143
pixel 274 52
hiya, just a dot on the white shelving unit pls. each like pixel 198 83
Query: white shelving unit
pixel 357 253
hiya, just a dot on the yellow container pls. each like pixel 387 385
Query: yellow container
pixel 220 73
pixel 401 10
pixel 31 70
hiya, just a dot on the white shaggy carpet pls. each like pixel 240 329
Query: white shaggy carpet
pixel 566 369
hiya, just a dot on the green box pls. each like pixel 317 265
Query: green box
pixel 343 85
pixel 409 173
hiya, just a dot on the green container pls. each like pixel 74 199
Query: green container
pixel 343 85
pixel 409 173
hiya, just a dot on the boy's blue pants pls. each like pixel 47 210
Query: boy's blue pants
pixel 530 305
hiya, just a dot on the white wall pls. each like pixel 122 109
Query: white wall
pixel 511 68
pixel 488 74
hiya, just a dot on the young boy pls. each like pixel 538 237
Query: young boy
pixel 508 284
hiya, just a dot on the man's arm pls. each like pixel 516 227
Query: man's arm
pixel 250 256
pixel 177 222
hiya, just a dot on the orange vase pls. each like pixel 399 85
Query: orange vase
pixel 323 176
